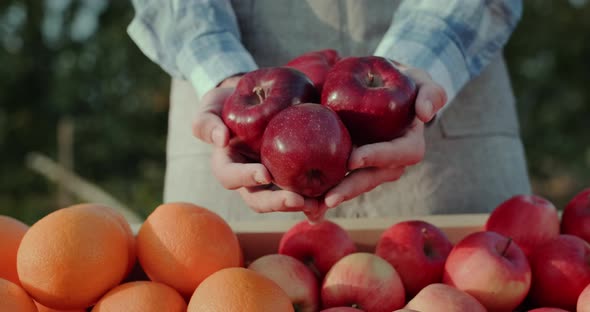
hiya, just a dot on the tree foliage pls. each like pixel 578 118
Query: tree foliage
pixel 115 95
pixel 548 60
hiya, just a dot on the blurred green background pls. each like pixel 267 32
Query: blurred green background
pixel 75 90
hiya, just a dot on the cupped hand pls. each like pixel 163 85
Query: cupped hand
pixel 374 164
pixel 234 171
pixel 254 183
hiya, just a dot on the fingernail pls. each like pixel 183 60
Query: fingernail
pixel 217 137
pixel 260 178
pixel 294 202
pixel 429 109
pixel 358 164
pixel 333 201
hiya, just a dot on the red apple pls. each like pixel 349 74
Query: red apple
pixel 550 310
pixel 444 298
pixel 528 219
pixel 306 148
pixel 561 270
pixel 341 309
pixel 258 97
pixel 372 97
pixel 491 268
pixel 583 304
pixel 315 65
pixel 296 279
pixel 318 245
pixel 417 250
pixel 576 216
pixel 364 281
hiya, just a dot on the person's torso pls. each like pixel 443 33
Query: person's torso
pixel 482 113
pixel 277 31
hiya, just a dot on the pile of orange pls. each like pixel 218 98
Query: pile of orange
pixel 86 258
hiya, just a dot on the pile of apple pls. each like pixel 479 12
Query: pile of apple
pixel 524 258
pixel 302 119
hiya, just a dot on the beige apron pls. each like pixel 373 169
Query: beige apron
pixel 474 157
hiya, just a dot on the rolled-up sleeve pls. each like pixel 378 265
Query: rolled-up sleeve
pixel 195 40
pixel 451 40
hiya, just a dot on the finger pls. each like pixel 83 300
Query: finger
pixel 266 200
pixel 359 182
pixel 210 128
pixel 404 151
pixel 311 204
pixel 431 96
pixel 233 175
pixel 207 124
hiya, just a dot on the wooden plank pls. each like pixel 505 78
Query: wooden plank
pixel 261 238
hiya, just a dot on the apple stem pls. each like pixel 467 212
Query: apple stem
pixel 506 247
pixel 260 92
pixel 371 79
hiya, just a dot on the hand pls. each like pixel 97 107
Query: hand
pixel 251 180
pixel 374 164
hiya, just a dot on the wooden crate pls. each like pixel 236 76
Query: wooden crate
pixel 262 238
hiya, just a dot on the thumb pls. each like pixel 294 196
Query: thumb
pixel 431 98
pixel 207 124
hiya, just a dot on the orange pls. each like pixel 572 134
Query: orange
pixel 14 299
pixel 141 296
pixel 72 256
pixel 127 228
pixel 43 308
pixel 181 244
pixel 11 234
pixel 239 290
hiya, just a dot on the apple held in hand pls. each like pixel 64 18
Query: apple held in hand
pixel 372 97
pixel 315 65
pixel 296 279
pixel 576 216
pixel 306 148
pixel 550 310
pixel 417 250
pixel 318 245
pixel 528 219
pixel 561 271
pixel 444 298
pixel 364 281
pixel 491 268
pixel 258 97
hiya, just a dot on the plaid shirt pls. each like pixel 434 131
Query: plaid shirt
pixel 453 40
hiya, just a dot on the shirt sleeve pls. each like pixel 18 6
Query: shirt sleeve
pixel 195 40
pixel 452 40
